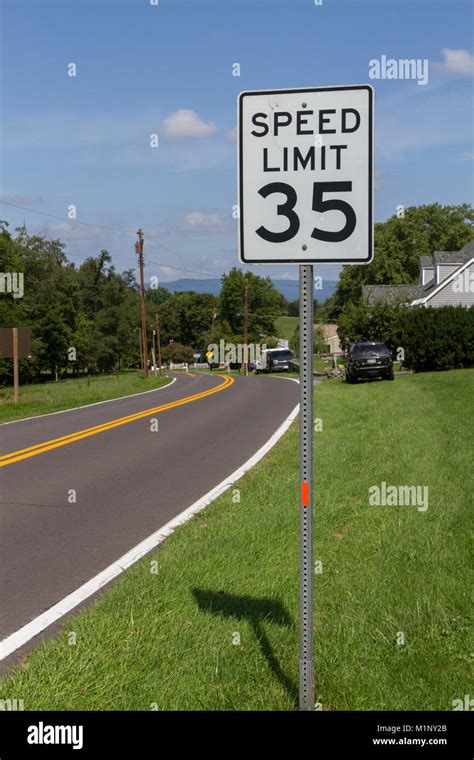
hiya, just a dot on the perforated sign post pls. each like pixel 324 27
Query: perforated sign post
pixel 305 197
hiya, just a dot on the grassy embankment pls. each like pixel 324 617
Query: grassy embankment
pixel 42 398
pixel 390 574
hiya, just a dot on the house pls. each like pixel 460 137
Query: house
pixel 331 338
pixel 446 279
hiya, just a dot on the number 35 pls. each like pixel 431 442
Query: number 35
pixel 287 209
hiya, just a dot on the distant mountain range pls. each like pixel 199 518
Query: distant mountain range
pixel 289 288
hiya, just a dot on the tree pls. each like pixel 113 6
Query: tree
pixel 360 322
pixel 294 308
pixel 319 340
pixel 399 243
pixel 263 303
pixel 177 353
pixel 185 317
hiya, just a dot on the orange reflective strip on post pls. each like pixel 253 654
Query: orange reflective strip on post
pixel 305 494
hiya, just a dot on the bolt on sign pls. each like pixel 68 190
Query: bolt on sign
pixel 305 194
pixel 6 342
pixel 306 175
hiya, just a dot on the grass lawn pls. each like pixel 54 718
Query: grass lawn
pixel 216 626
pixel 67 394
pixel 286 326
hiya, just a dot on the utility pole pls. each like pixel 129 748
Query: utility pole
pixel 246 329
pixel 139 251
pixel 141 347
pixel 214 315
pixel 158 341
pixel 15 364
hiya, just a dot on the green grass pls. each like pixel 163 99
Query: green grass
pixel 286 326
pixel 165 639
pixel 67 394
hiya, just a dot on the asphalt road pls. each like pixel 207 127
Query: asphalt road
pixel 127 479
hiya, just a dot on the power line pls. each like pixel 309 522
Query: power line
pixel 120 232
pixel 181 269
pixel 69 221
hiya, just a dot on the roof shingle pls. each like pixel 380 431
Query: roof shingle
pixel 391 293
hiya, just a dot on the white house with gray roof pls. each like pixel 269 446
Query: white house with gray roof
pixel 446 279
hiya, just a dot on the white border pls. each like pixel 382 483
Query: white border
pixel 371 157
pixel 57 611
pixel 86 406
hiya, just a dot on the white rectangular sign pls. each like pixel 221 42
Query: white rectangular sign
pixel 306 175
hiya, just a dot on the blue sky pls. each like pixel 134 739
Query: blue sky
pixel 167 69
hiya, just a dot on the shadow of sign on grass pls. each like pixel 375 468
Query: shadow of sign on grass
pixel 256 612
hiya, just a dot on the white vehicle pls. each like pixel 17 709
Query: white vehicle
pixel 274 360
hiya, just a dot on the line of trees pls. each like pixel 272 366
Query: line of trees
pixel 431 338
pixel 86 318
pixel 398 243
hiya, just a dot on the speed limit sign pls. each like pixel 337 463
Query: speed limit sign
pixel 306 175
pixel 305 197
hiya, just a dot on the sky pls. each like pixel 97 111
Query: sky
pixel 166 69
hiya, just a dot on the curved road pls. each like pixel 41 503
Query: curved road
pixel 127 478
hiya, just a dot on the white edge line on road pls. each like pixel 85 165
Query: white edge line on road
pixel 86 406
pixel 57 611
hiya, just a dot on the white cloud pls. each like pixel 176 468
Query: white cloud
pixel 456 62
pixel 231 134
pixel 198 222
pixel 118 141
pixel 66 231
pixel 184 123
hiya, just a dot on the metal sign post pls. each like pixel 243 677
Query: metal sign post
pixel 306 689
pixel 306 197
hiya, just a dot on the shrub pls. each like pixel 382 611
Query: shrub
pixel 438 338
pixel 432 338
pixel 177 353
pixel 379 322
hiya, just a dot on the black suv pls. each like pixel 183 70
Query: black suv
pixel 369 360
pixel 279 361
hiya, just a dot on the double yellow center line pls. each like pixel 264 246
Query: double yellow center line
pixel 40 448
